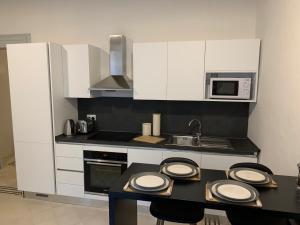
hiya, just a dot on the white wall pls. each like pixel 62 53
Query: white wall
pixel 274 123
pixel 91 21
pixel 6 135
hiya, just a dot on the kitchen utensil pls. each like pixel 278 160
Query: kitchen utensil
pixel 179 170
pixel 85 126
pixel 234 191
pixel 69 128
pixel 149 139
pixel 250 176
pixel 156 124
pixel 149 181
pixel 146 129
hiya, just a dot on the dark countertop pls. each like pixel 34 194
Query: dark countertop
pixel 281 201
pixel 241 146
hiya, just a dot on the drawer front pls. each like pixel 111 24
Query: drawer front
pixel 69 163
pixel 69 177
pixel 223 162
pixel 70 190
pixel 65 150
pixel 104 148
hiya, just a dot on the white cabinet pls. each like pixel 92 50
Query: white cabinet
pixel 70 190
pixel 232 55
pixel 35 167
pixel 169 70
pixel 150 69
pixel 36 73
pixel 186 70
pixel 30 92
pixel 223 162
pixel 150 156
pixel 84 69
pixel 69 170
pixel 195 156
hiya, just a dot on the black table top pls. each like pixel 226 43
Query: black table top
pixel 281 201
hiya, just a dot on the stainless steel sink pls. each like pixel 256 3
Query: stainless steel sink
pixel 203 142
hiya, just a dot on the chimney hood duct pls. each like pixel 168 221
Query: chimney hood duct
pixel 117 81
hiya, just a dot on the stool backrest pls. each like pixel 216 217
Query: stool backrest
pixel 179 159
pixel 253 166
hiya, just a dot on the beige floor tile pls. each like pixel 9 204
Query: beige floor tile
pixel 15 210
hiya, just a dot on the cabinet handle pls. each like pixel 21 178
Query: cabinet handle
pixel 66 170
pixel 104 164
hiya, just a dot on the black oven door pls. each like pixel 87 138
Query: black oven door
pixel 99 176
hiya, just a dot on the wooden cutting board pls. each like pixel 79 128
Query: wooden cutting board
pixel 149 139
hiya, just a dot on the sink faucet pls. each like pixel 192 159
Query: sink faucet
pixel 199 133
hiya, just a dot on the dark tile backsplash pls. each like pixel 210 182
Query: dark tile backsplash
pixel 125 114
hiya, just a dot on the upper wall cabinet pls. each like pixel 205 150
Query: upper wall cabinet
pixel 169 71
pixel 84 70
pixel 150 69
pixel 232 55
pixel 185 70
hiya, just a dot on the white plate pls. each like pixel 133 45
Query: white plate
pixel 149 181
pixel 233 191
pixel 250 175
pixel 179 169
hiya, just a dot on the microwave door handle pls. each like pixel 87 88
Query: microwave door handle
pixel 103 164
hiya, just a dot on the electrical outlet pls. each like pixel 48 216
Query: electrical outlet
pixel 91 117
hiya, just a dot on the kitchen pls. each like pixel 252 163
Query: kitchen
pixel 164 83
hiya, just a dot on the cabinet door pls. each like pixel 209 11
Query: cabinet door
pixel 30 92
pixel 232 55
pixel 195 156
pixel 223 162
pixel 150 71
pixel 151 156
pixel 35 167
pixel 77 80
pixel 186 71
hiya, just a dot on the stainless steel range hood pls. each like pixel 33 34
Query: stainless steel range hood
pixel 117 81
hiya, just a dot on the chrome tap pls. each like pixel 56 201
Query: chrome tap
pixel 199 133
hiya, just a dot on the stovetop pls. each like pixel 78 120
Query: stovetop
pixel 113 136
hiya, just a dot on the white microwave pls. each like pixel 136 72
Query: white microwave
pixel 230 88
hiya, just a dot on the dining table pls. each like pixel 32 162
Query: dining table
pixel 283 201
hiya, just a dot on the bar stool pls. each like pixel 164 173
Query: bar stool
pixel 246 217
pixel 178 212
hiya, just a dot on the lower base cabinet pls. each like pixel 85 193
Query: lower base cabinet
pixel 69 164
pixel 150 156
pixel 70 190
pixel 223 162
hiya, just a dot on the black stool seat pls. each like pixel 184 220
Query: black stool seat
pixel 179 213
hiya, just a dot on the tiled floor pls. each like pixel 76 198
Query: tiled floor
pixel 15 210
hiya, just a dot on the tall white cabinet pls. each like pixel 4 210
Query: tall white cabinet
pixel 36 75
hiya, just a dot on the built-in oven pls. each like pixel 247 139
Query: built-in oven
pixel 102 169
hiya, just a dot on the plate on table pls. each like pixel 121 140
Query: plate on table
pixel 234 191
pixel 250 176
pixel 149 181
pixel 180 170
